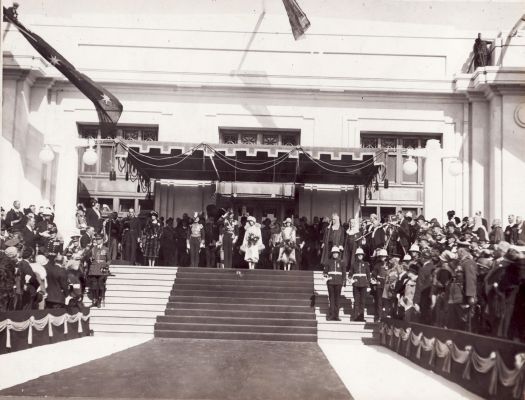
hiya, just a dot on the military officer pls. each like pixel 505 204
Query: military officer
pixel 335 272
pixel 98 270
pixel 360 278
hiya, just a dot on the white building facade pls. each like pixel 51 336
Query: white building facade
pixel 387 75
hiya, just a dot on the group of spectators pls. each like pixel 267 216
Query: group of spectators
pixel 38 269
pixel 461 275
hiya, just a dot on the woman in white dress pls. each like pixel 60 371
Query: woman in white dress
pixel 287 252
pixel 252 243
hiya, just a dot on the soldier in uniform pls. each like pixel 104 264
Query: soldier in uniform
pixel 54 245
pixel 360 278
pixel 379 274
pixel 98 270
pixel 335 272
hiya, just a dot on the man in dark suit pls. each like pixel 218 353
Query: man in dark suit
pixel 87 238
pixel 93 217
pixel 57 286
pixel 28 233
pixel 15 218
pixel 113 231
pixel 405 232
pixel 132 231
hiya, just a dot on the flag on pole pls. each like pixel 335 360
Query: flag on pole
pixel 107 105
pixel 298 20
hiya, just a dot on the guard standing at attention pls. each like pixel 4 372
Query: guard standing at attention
pixel 335 272
pixel 98 270
pixel 360 273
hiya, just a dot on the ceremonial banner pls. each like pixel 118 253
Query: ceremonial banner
pixel 107 105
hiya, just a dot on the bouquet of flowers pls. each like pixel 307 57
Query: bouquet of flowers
pixel 288 246
pixel 252 239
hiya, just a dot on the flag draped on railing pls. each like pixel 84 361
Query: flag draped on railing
pixel 298 20
pixel 107 105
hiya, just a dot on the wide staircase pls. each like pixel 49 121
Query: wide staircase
pixel 344 330
pixel 135 296
pixel 240 304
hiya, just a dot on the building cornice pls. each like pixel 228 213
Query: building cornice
pixel 487 82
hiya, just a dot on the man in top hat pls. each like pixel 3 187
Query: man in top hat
pixel 405 234
pixel 360 279
pixel 335 272
pixel 98 270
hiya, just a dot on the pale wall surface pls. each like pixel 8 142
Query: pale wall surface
pixel 191 67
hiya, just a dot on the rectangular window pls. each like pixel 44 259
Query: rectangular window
pixel 366 212
pixel 391 167
pixel 126 204
pixel 105 158
pixel 267 137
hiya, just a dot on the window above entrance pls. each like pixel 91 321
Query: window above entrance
pixel 255 136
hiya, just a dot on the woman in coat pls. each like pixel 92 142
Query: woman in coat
pixel 151 239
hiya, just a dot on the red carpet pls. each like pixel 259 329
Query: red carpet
pixel 198 369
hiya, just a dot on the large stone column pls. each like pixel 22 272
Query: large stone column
pixel 433 177
pixel 66 189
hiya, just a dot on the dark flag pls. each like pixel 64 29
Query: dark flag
pixel 298 20
pixel 107 105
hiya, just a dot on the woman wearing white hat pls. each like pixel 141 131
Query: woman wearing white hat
pixel 252 243
pixel 287 251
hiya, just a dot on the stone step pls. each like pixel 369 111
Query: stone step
pixel 130 294
pixel 138 287
pixel 146 280
pixel 134 321
pixel 239 314
pixel 227 280
pixel 217 292
pixel 116 313
pixel 158 308
pixel 238 307
pixel 144 270
pixel 121 328
pixel 227 327
pixel 131 300
pixel 247 272
pixel 241 274
pixel 254 320
pixel 240 287
pixel 289 337
pixel 207 298
pixel 336 335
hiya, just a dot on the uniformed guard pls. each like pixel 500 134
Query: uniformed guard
pixel 379 274
pixel 360 273
pixel 335 272
pixel 98 270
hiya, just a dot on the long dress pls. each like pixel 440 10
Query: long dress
pixel 252 243
pixel 287 251
pixel 151 240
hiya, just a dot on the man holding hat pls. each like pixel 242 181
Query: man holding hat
pixel 335 272
pixel 360 273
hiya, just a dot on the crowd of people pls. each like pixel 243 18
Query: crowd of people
pixel 462 274
pixel 40 269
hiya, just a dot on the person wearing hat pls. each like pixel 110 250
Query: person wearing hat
pixel 379 275
pixel 423 293
pixel 28 281
pixel 266 234
pixel 287 241
pixel 168 250
pixel 54 244
pixel 113 234
pixel 463 292
pixel 98 270
pixel 76 282
pixel 359 272
pixel 8 260
pixel 93 216
pixel 334 235
pixel 496 232
pixel 405 231
pixel 335 272
pixel 252 243
pixel 211 237
pixel 229 237
pixel 196 240
pixel 405 290
pixel 150 242
pixel 43 229
pixel 414 252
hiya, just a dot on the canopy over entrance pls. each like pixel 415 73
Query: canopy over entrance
pixel 150 160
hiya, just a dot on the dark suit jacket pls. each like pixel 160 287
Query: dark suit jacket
pixel 13 215
pixel 405 235
pixel 29 237
pixel 85 240
pixel 57 287
pixel 92 219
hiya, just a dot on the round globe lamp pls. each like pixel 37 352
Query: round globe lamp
pixel 90 156
pixel 455 168
pixel 46 155
pixel 410 166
